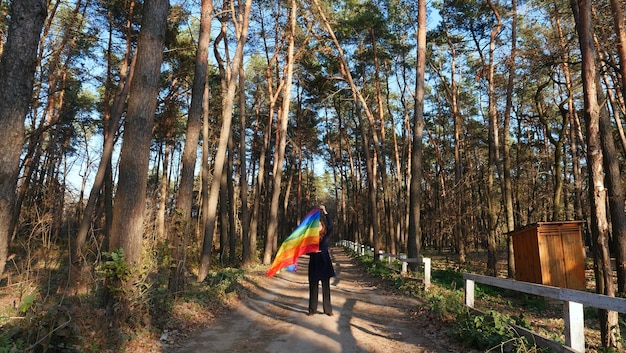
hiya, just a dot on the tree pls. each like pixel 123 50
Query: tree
pixel 17 69
pixel 220 158
pixel 283 120
pixel 597 193
pixel 414 236
pixel 507 189
pixel 361 106
pixel 103 180
pixel 184 197
pixel 454 97
pixel 248 243
pixel 617 10
pixel 129 206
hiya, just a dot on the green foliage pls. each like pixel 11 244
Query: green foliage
pixel 8 345
pixel 114 271
pixel 483 290
pixel 486 331
pixel 27 303
pixel 446 303
pixel 491 331
pixel 448 278
pixel 223 282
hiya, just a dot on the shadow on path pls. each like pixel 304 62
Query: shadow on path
pixel 273 318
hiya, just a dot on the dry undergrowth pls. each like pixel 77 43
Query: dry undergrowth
pixel 73 312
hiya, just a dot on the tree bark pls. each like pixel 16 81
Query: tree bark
pixel 615 194
pixel 184 197
pixel 506 142
pixel 359 99
pixel 599 223
pixel 163 195
pixel 615 187
pixel 414 236
pixel 617 9
pixel 104 174
pixel 220 158
pixel 129 207
pixel 283 120
pixel 17 70
pixel 494 146
pixel 248 252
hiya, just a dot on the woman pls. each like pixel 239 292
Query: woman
pixel 321 268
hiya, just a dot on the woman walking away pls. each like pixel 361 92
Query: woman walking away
pixel 321 268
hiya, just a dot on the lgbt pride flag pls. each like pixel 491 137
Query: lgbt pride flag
pixel 303 240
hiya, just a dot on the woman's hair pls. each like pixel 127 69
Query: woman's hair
pixel 322 228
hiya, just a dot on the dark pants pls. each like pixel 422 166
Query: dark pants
pixel 314 294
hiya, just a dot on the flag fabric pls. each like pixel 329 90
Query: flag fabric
pixel 304 239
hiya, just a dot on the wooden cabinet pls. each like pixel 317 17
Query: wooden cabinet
pixel 550 253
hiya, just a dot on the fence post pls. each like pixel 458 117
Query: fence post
pixel 380 255
pixel 426 261
pixel 469 293
pixel 404 264
pixel 573 316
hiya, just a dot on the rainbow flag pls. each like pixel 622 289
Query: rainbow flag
pixel 304 239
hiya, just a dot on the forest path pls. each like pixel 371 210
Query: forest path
pixel 366 318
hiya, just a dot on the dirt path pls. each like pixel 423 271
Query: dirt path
pixel 273 318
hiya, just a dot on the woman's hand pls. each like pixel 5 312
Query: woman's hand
pixel 323 209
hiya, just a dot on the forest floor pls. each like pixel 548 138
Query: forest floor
pixel 261 314
pixel 368 317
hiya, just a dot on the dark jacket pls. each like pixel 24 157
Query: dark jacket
pixel 320 264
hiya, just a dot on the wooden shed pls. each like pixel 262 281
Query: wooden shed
pixel 550 253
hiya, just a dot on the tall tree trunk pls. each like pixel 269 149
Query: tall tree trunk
pixel 617 9
pixel 248 252
pixel 206 233
pixel 224 205
pixel 273 95
pixel 599 224
pixel 616 195
pixel 17 70
pixel 129 207
pixel 506 142
pixel 359 99
pixel 220 158
pixel 223 63
pixel 382 158
pixel 414 237
pixel 260 185
pixel 572 115
pixel 557 203
pixel 452 94
pixel 494 146
pixel 104 174
pixel 184 197
pixel 163 196
pixel 283 120
pixel 232 210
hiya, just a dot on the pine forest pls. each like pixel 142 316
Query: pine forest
pixel 147 145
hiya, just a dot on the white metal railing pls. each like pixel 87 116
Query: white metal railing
pixel 364 250
pixel 573 302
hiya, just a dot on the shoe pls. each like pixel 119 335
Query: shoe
pixel 330 313
pixel 310 313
